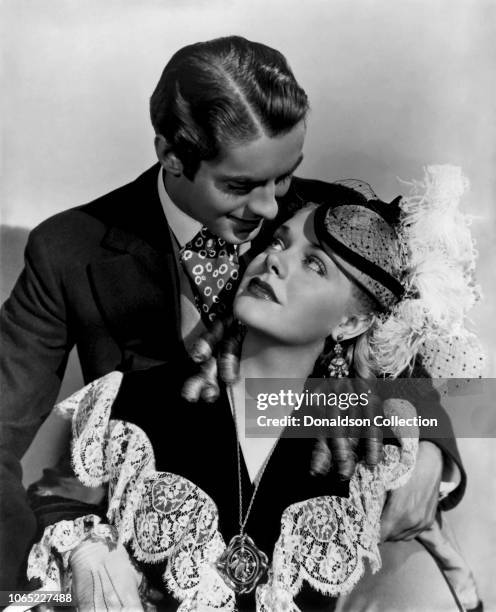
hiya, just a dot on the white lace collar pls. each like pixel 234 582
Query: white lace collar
pixel 166 518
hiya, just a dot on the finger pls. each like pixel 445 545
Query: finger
pixel 131 600
pixel 202 349
pixel 404 410
pixel 121 583
pixel 106 597
pixel 83 590
pixel 95 599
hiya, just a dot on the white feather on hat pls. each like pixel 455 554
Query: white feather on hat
pixel 440 258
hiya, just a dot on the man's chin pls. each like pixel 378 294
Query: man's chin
pixel 237 236
pixel 234 235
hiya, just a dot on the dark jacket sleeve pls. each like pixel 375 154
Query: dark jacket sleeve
pixel 416 386
pixel 428 404
pixel 34 349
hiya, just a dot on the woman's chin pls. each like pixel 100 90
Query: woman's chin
pixel 241 311
pixel 250 312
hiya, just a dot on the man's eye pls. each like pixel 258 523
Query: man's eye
pixel 315 264
pixel 284 179
pixel 239 189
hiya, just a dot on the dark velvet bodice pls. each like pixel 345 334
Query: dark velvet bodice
pixel 198 442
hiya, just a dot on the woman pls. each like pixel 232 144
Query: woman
pixel 190 493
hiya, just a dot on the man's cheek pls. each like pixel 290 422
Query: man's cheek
pixel 282 190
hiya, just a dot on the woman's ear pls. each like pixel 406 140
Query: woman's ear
pixel 170 162
pixel 353 326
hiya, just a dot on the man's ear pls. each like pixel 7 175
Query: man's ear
pixel 353 326
pixel 170 162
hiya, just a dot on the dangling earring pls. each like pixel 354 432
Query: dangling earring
pixel 338 368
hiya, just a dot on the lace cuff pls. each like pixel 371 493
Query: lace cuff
pixel 89 408
pixel 49 558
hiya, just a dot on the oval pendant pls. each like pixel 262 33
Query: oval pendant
pixel 242 564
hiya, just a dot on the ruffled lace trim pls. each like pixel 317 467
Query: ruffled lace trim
pixel 326 540
pixel 49 558
pixel 166 518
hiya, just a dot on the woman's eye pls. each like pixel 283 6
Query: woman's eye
pixel 276 244
pixel 315 264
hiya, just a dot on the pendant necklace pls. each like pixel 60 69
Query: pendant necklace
pixel 242 564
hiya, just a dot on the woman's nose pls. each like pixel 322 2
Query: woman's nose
pixel 263 202
pixel 275 264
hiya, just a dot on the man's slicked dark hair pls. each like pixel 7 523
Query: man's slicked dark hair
pixel 224 91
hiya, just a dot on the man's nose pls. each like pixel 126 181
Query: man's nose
pixel 263 202
pixel 275 264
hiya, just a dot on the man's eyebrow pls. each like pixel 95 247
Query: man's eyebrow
pixel 295 165
pixel 251 181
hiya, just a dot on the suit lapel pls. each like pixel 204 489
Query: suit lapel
pixel 136 285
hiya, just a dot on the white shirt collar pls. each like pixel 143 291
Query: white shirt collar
pixel 182 225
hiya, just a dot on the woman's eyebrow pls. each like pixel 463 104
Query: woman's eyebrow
pixel 316 245
pixel 283 229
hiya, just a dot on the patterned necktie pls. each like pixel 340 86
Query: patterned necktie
pixel 212 265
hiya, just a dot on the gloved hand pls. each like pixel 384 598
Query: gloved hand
pixel 104 578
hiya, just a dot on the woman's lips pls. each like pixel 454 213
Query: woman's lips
pixel 260 289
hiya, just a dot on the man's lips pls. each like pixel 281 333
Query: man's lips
pixel 259 288
pixel 246 224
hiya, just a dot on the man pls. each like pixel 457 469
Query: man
pixel 131 277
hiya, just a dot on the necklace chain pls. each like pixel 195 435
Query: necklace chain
pixel 242 523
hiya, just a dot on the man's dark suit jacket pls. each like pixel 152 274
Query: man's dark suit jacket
pixel 102 277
